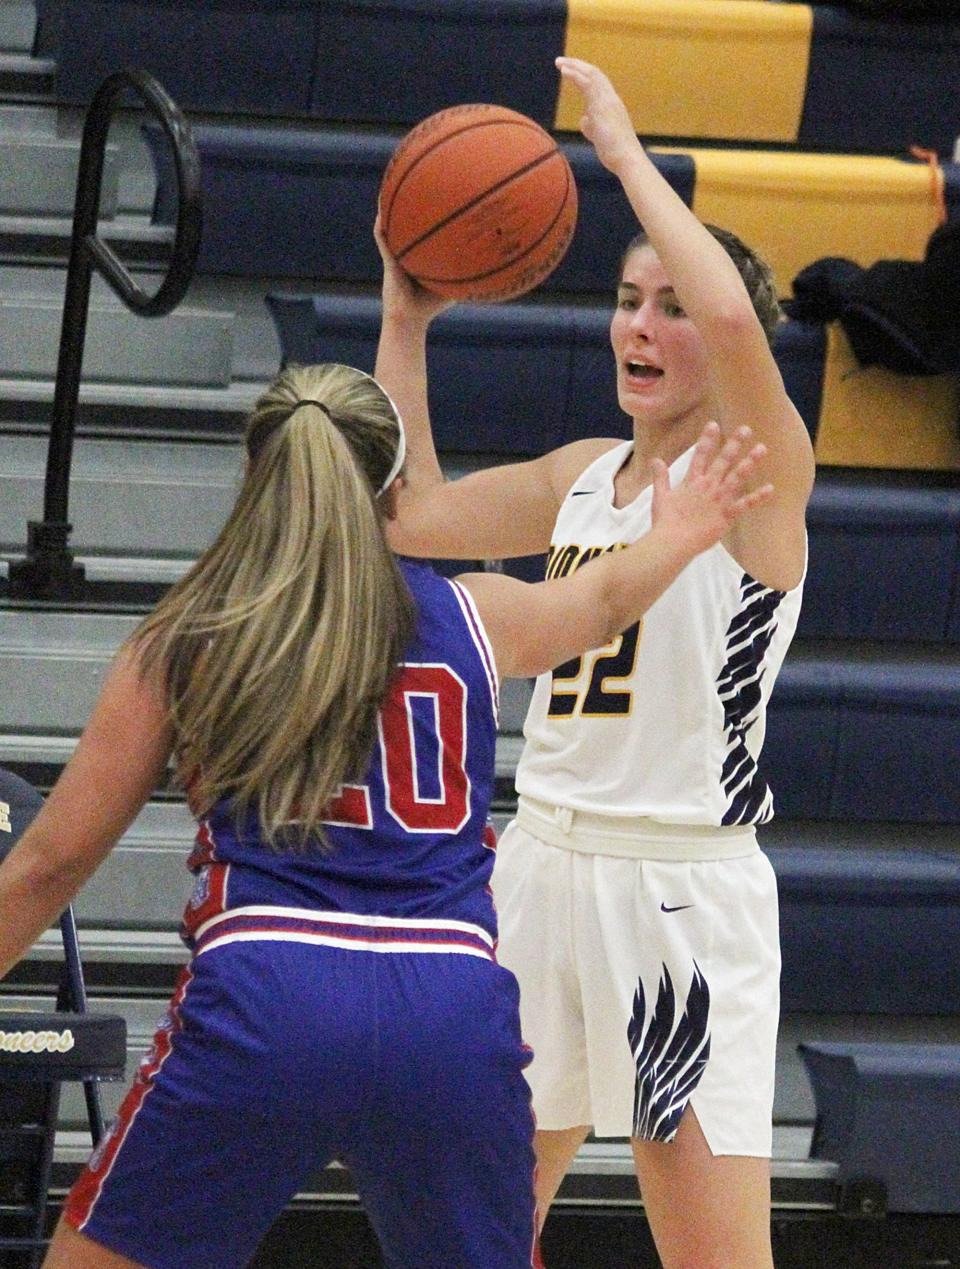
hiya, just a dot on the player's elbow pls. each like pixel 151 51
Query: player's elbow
pixel 733 319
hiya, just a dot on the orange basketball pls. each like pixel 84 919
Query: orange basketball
pixel 478 203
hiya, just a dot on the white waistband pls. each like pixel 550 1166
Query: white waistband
pixel 632 837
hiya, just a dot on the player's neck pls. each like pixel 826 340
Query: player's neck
pixel 666 443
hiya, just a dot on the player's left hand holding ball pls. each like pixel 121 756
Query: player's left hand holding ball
pixel 402 296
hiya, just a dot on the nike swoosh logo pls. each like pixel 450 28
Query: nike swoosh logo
pixel 580 493
pixel 679 908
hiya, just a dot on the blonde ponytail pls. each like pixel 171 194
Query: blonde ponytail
pixel 279 645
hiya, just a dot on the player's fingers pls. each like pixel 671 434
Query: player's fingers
pixel 705 448
pixel 755 498
pixel 743 468
pixel 730 453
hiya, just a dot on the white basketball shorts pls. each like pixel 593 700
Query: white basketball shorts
pixel 646 984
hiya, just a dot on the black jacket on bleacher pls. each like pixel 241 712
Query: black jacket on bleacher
pixel 902 314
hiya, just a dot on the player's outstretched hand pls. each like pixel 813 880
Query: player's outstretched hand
pixel 605 122
pixel 402 296
pixel 714 493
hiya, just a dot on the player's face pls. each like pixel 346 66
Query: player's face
pixel 662 369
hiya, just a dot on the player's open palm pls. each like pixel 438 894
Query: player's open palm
pixel 605 122
pixel 715 491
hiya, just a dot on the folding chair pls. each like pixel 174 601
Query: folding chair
pixel 38 1051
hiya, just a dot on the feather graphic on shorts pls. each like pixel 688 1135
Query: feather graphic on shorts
pixel 670 1055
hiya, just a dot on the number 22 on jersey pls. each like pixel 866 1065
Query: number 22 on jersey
pixel 597 697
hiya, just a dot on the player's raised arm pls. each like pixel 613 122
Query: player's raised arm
pixel 401 366
pixel 747 385
pixel 497 513
pixel 534 628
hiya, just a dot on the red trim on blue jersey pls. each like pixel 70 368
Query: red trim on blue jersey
pixel 83 1196
pixel 209 895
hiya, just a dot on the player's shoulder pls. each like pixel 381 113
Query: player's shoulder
pixel 569 462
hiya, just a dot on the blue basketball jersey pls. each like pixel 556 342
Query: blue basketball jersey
pixel 411 841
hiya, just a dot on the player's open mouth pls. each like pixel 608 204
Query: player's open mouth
pixel 642 370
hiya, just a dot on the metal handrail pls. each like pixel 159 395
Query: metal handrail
pixel 49 570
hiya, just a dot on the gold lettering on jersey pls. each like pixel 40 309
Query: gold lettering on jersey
pixel 5 825
pixel 615 662
pixel 564 560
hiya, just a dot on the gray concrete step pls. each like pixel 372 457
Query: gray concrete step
pixel 18 23
pixel 40 175
pixel 129 177
pixel 45 240
pixel 27 79
pixel 190 347
pixel 142 411
pixel 145 351
pixel 155 499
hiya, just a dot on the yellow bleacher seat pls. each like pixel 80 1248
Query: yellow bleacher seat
pixel 873 417
pixel 694 68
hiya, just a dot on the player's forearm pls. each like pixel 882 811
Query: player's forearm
pixel 401 369
pixel 633 579
pixel 613 591
pixel 705 279
pixel 35 887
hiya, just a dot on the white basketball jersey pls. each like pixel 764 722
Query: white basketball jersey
pixel 668 720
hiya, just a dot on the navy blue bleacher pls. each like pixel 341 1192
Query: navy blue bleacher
pixel 867 930
pixel 853 56
pixel 238 56
pixel 890 1114
pixel 505 379
pixel 396 61
pixel 864 736
pixel 482 371
pixel 258 178
pixel 300 203
pixel 884 559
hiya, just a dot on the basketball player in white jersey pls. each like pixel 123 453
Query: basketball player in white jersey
pixel 635 906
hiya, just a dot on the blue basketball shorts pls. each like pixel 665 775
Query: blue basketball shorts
pixel 281 1052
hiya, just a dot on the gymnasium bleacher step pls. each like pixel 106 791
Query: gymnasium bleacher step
pixel 190 347
pixel 159 411
pixel 40 174
pixel 601 1173
pixel 18 23
pixel 221 331
pixel 26 79
pixel 155 498
pixel 46 240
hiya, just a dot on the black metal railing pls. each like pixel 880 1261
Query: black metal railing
pixel 49 572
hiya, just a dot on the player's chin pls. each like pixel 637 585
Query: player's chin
pixel 640 401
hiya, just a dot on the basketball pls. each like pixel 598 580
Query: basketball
pixel 478 203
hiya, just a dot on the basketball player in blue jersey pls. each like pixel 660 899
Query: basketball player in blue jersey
pixel 332 713
pixel 634 904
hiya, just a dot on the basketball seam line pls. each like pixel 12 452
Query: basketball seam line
pixel 559 247
pixel 530 125
pixel 442 224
